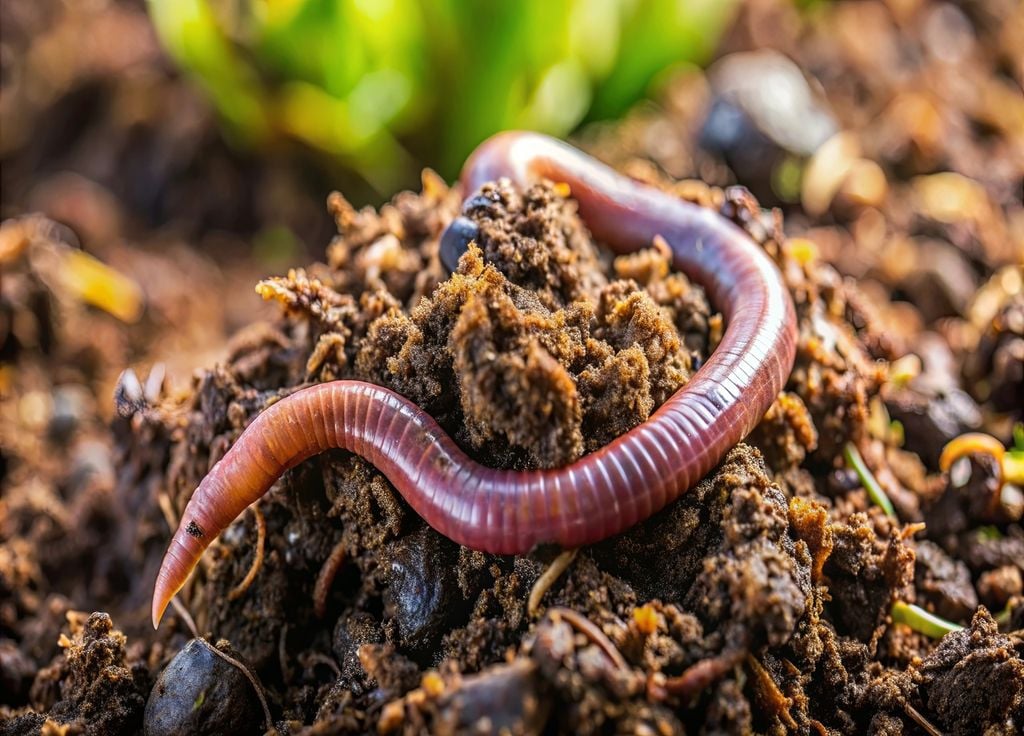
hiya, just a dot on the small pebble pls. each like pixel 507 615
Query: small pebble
pixel 17 672
pixel 763 109
pixel 350 633
pixel 200 693
pixel 70 404
pixel 422 593
pixel 931 417
pixel 455 241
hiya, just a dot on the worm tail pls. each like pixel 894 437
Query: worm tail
pixel 241 477
pixel 348 415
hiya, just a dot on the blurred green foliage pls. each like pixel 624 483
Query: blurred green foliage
pixel 385 86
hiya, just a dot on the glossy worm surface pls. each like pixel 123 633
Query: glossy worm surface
pixel 505 511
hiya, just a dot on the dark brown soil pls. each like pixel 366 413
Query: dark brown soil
pixel 758 602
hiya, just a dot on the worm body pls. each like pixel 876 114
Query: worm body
pixel 509 512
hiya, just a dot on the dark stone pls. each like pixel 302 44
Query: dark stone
pixel 503 699
pixel 931 417
pixel 16 673
pixel 200 693
pixel 423 594
pixel 351 632
pixel 763 109
pixel 455 241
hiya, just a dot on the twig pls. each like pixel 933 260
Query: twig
pixel 326 577
pixel 921 720
pixel 590 630
pixel 257 560
pixel 282 653
pixel 164 502
pixel 547 579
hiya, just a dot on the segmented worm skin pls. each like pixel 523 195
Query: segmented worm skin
pixel 601 494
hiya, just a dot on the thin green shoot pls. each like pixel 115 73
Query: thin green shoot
pixel 1013 461
pixel 922 621
pixel 988 533
pixel 868 480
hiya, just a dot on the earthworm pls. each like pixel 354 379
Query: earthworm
pixel 695 678
pixel 971 443
pixel 325 577
pixel 257 559
pixel 601 494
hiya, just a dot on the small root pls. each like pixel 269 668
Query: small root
pixel 257 561
pixel 282 653
pixel 325 577
pixel 252 680
pixel 696 678
pixel 179 608
pixel 547 579
pixel 164 502
pixel 313 658
pixel 593 632
pixel 921 721
pixel 771 696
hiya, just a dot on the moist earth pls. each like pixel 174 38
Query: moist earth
pixel 760 601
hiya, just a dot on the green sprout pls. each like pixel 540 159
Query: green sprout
pixel 988 533
pixel 867 479
pixel 1013 461
pixel 897 433
pixel 922 621
pixel 386 86
pixel 1003 617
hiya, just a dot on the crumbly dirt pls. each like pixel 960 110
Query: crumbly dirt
pixel 760 601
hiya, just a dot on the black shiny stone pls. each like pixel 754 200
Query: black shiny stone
pixel 455 241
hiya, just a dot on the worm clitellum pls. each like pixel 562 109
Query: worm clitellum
pixel 601 494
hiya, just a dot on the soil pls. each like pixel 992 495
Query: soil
pixel 759 602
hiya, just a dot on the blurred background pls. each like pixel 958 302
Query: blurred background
pixel 182 150
pixel 264 101
pixel 236 117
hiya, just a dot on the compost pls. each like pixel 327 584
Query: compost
pixel 788 591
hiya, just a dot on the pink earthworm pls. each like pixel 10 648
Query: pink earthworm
pixel 599 495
